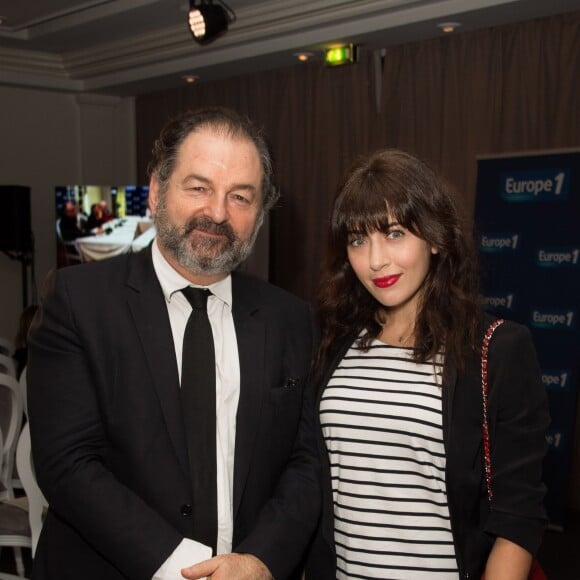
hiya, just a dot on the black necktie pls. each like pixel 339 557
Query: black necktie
pixel 199 412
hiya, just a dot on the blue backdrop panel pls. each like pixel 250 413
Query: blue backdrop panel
pixel 527 221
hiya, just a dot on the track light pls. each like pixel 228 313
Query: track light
pixel 207 20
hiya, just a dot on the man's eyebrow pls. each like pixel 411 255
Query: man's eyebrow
pixel 244 186
pixel 196 177
pixel 234 187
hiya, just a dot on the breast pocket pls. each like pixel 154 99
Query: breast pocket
pixel 289 388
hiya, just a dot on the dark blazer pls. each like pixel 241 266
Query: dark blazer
pixel 518 418
pixel 107 429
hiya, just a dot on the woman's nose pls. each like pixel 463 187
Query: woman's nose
pixel 379 255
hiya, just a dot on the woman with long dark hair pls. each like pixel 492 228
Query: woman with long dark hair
pixel 400 396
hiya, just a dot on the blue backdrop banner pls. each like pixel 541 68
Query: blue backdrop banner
pixel 527 221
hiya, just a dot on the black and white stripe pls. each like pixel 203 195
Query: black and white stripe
pixel 382 423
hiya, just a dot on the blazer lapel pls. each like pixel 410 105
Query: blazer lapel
pixel 327 501
pixel 149 311
pixel 451 375
pixel 449 384
pixel 250 336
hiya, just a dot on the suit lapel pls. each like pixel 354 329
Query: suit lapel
pixel 149 311
pixel 250 336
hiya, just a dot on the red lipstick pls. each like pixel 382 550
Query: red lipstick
pixel 386 281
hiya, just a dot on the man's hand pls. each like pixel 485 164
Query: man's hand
pixel 229 567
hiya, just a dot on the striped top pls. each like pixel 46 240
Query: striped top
pixel 382 423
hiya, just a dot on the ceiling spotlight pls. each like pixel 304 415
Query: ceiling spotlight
pixel 207 20
pixel 303 56
pixel 190 79
pixel 448 26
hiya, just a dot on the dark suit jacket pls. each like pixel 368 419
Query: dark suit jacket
pixel 107 429
pixel 518 418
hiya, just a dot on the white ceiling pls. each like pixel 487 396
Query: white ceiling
pixel 123 47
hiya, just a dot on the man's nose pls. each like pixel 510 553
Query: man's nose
pixel 217 208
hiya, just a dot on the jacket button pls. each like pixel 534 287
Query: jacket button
pixel 186 510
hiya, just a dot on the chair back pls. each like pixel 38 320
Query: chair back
pixel 36 501
pixel 23 391
pixel 7 365
pixel 72 252
pixel 10 423
pixel 6 346
pixel 58 232
pixel 3 491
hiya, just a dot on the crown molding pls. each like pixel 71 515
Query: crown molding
pixel 265 28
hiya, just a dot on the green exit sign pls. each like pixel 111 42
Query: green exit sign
pixel 338 55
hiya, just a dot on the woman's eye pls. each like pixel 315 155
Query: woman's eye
pixel 395 234
pixel 355 242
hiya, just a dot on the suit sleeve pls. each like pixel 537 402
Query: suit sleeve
pixel 70 448
pixel 517 430
pixel 287 521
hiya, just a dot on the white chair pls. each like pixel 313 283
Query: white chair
pixel 6 346
pixel 37 503
pixel 7 365
pixel 3 490
pixel 14 527
pixel 21 519
pixel 16 481
pixel 23 391
pixel 11 414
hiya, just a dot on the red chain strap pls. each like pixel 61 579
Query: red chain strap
pixel 484 390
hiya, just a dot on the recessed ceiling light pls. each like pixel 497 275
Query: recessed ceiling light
pixel 303 56
pixel 448 26
pixel 190 79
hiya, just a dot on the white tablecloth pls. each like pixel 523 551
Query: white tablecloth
pixel 117 238
pixel 144 239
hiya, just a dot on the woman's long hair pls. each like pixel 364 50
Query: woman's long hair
pixel 26 316
pixel 394 184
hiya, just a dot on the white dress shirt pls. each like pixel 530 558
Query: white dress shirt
pixel 219 309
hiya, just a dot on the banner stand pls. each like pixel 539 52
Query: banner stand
pixel 527 220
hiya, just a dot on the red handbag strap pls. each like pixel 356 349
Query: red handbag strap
pixel 484 393
pixel 536 572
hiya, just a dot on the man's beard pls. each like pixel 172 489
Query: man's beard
pixel 206 255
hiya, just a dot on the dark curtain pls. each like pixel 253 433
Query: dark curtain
pixel 448 100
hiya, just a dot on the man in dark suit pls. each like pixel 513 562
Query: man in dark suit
pixel 110 434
